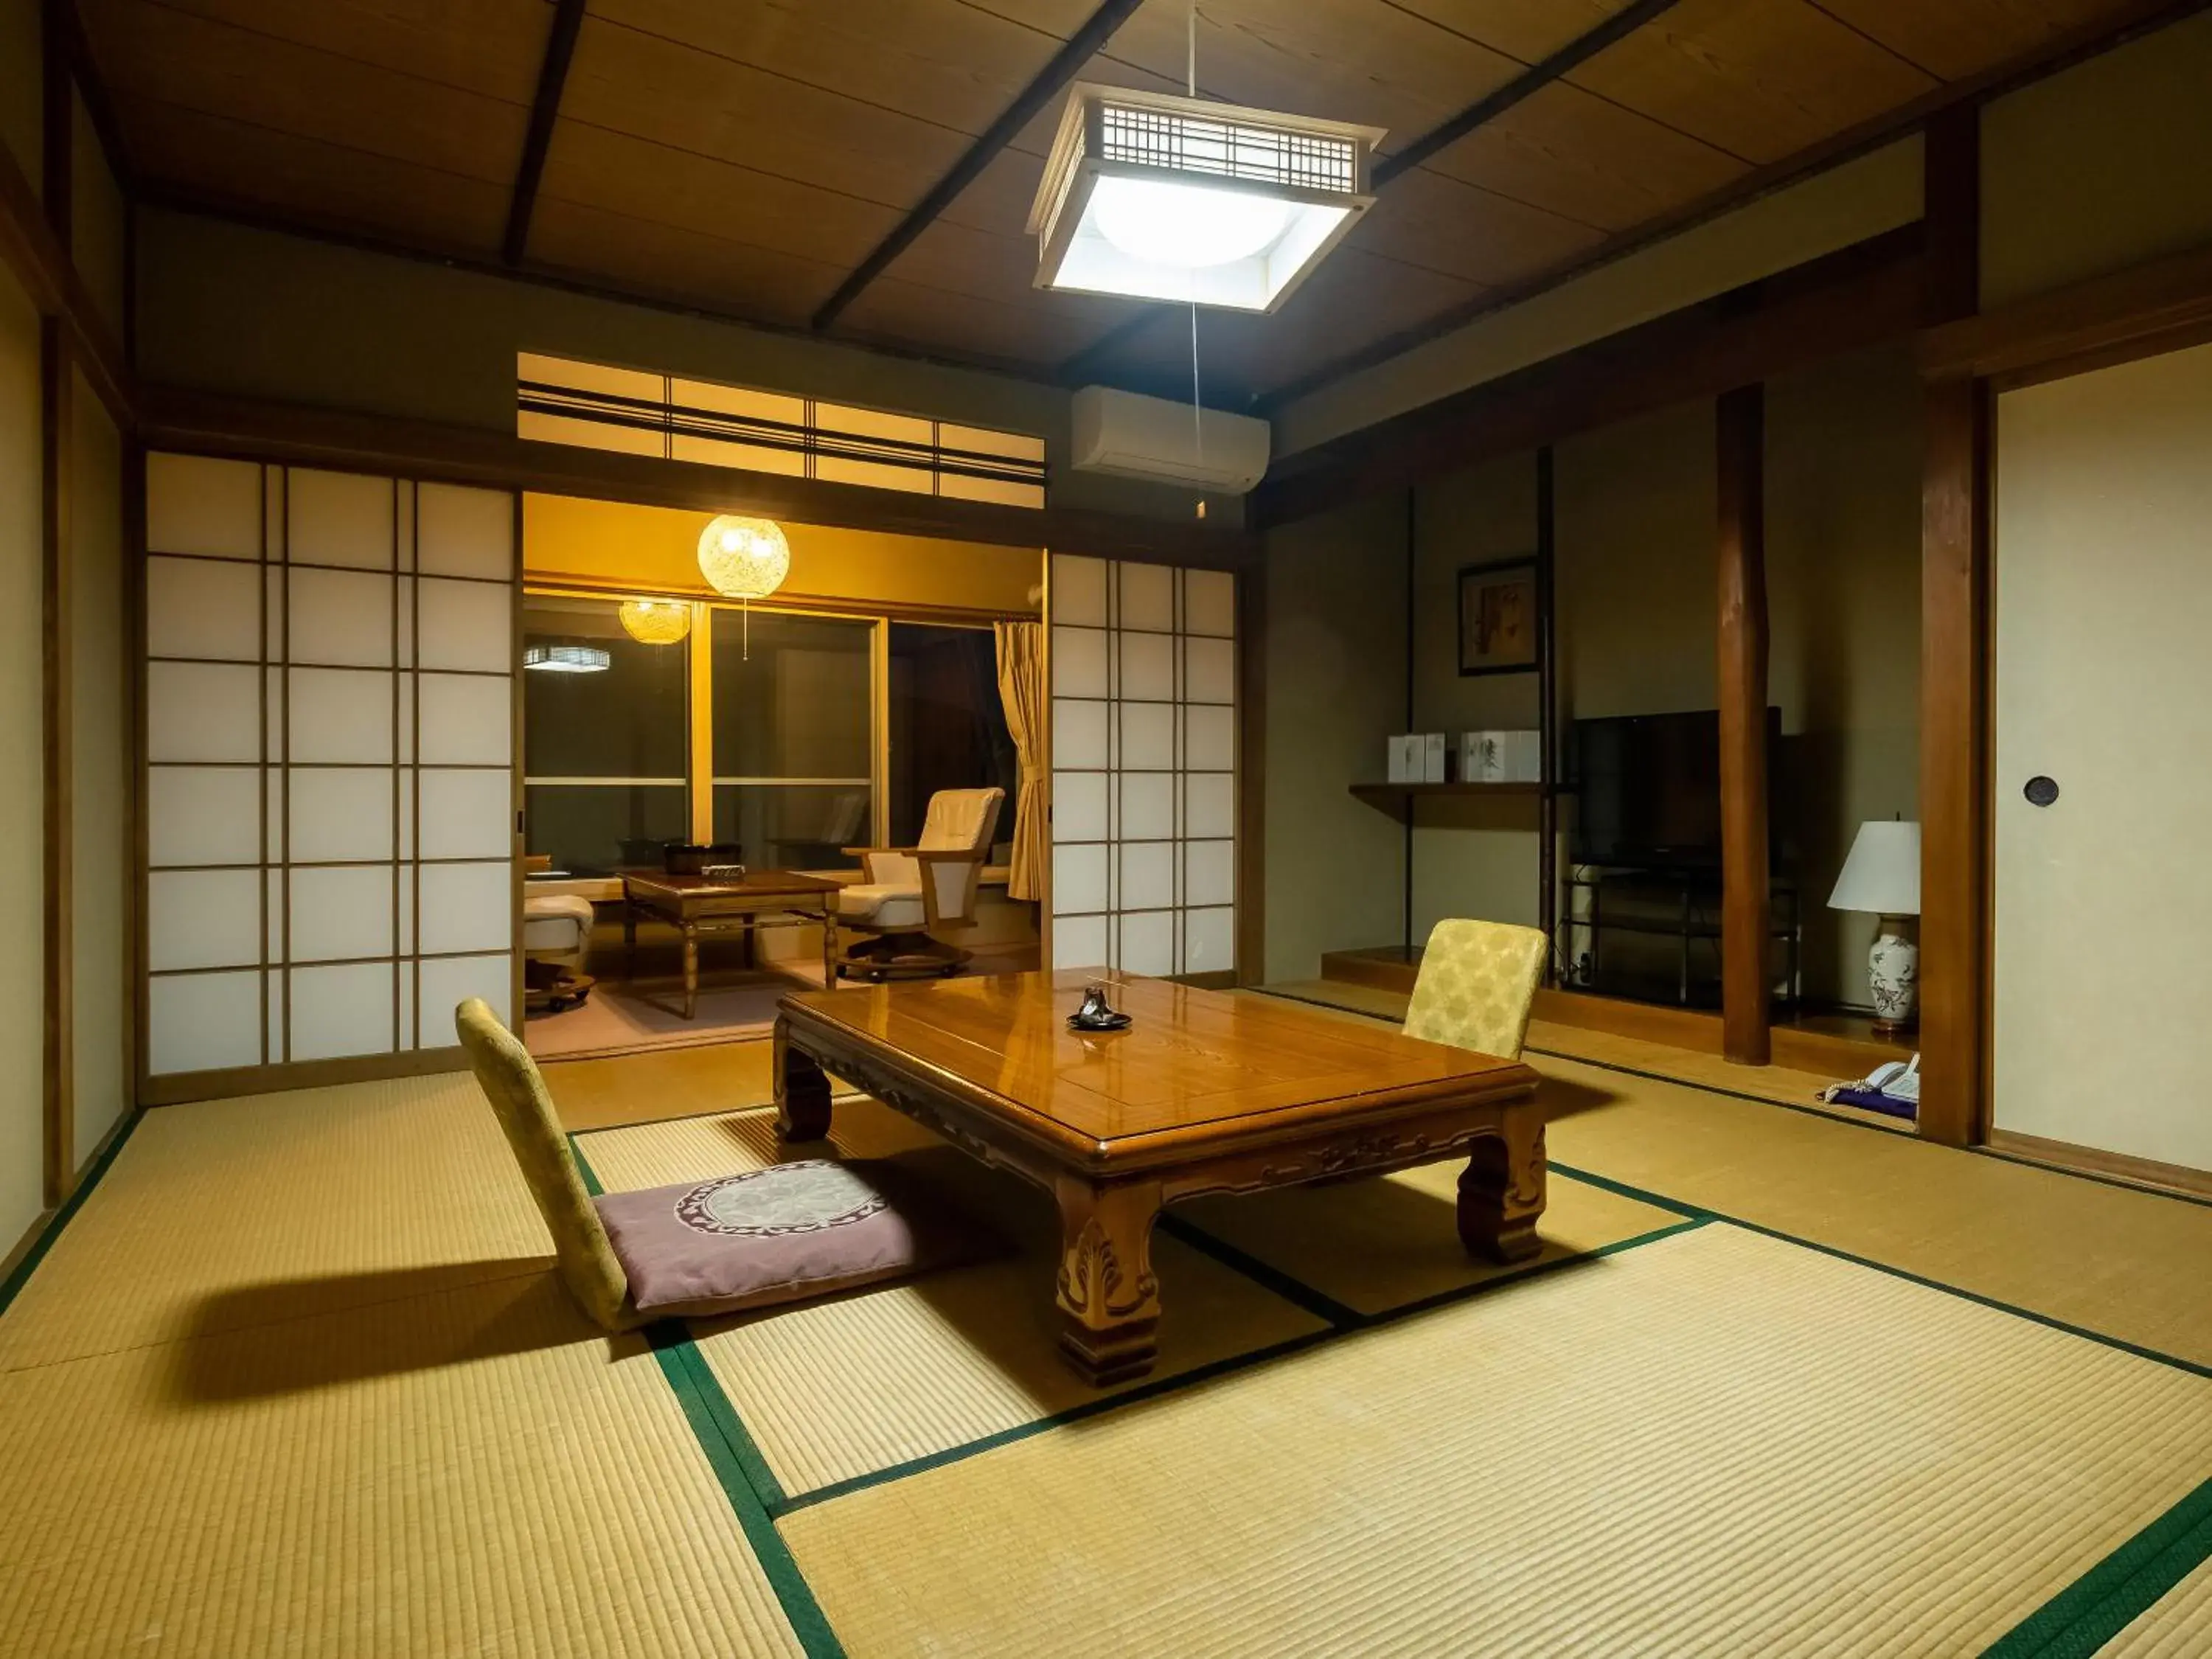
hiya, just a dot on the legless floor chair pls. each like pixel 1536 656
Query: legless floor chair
pixel 1477 983
pixel 912 895
pixel 702 1248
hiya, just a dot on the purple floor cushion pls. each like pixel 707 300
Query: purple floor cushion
pixel 780 1234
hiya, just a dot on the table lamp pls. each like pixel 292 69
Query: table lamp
pixel 1881 878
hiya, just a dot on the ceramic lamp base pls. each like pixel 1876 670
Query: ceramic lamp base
pixel 1893 974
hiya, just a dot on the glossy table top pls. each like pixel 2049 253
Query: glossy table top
pixel 757 884
pixel 1192 1062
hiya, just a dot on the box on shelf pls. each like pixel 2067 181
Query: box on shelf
pixel 1418 758
pixel 1513 756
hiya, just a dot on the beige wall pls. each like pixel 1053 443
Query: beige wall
pixel 97 216
pixel 1336 667
pixel 100 713
pixel 22 950
pixel 1472 857
pixel 1634 518
pixel 2101 167
pixel 1845 205
pixel 656 551
pixel 227 308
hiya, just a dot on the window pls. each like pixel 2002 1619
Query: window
pixel 794 736
pixel 558 400
pixel 607 744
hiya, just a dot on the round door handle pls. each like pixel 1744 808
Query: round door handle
pixel 2041 791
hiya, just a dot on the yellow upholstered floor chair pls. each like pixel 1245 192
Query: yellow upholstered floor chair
pixel 1477 983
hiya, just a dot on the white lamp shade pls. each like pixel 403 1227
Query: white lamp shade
pixel 1162 197
pixel 1883 875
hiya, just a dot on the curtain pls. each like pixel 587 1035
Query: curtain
pixel 1022 690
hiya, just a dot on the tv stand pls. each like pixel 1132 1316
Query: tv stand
pixel 1610 908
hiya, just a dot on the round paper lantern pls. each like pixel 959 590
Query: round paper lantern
pixel 655 621
pixel 744 558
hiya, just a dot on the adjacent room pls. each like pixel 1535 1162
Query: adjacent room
pixel 1139 827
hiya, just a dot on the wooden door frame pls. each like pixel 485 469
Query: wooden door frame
pixel 2163 305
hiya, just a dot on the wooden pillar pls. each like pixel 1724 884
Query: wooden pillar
pixel 1744 889
pixel 57 379
pixel 1955 789
pixel 1954 589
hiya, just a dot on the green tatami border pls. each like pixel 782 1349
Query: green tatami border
pixel 738 1466
pixel 2091 1176
pixel 2119 1590
pixel 1220 1368
pixel 19 1274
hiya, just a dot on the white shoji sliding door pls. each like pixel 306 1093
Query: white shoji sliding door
pixel 330 795
pixel 1144 767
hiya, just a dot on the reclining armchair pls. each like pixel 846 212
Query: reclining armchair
pixel 911 894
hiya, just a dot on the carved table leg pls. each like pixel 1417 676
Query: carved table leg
pixel 691 971
pixel 802 1090
pixel 1109 1300
pixel 1501 1193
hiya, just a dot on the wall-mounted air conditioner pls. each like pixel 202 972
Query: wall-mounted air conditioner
pixel 1137 437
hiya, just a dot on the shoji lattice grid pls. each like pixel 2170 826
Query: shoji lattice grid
pixel 329 741
pixel 1144 767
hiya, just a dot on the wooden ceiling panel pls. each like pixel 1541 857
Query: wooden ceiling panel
pixel 1959 38
pixel 1348 60
pixel 668 262
pixel 305 181
pixel 657 88
pixel 489 46
pixel 150 51
pixel 1759 79
pixel 939 60
pixel 998 199
pixel 1427 219
pixel 593 166
pixel 1351 301
pixel 1588 160
pixel 1530 30
pixel 1030 335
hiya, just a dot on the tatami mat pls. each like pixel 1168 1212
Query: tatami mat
pixel 857 1384
pixel 469 1473
pixel 1378 1244
pixel 231 1213
pixel 2067 1248
pixel 701 1148
pixel 1716 1443
pixel 2179 1626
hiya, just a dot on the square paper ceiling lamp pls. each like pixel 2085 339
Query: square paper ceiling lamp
pixel 1160 198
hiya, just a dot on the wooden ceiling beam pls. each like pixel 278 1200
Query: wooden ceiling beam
pixel 1488 108
pixel 544 111
pixel 29 247
pixel 1087 363
pixel 2139 17
pixel 299 436
pixel 1861 295
pixel 1066 64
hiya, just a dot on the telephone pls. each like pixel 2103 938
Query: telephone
pixel 1900 1079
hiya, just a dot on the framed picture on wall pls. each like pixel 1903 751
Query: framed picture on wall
pixel 1499 605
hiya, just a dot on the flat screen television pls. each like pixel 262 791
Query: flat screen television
pixel 1648 789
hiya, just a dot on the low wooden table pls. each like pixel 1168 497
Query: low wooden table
pixel 1205 1092
pixel 764 898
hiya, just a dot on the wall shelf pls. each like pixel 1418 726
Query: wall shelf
pixel 1397 799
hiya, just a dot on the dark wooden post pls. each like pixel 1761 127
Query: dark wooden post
pixel 1953 763
pixel 1954 588
pixel 1744 892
